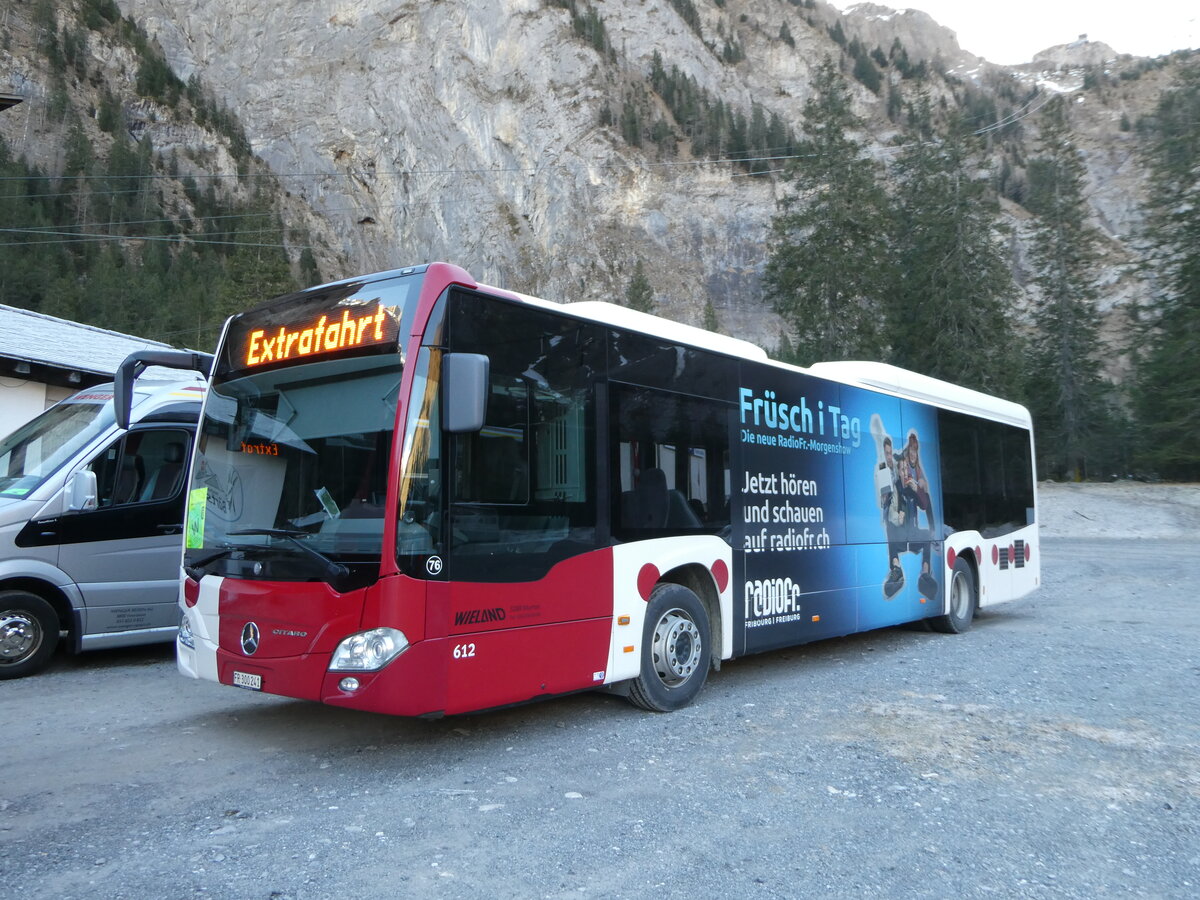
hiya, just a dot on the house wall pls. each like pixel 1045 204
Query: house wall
pixel 21 400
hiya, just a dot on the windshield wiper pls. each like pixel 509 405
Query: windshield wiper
pixel 333 573
pixel 195 570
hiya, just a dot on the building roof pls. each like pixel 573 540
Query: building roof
pixel 7 100
pixel 47 341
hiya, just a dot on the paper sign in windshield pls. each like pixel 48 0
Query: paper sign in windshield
pixel 194 529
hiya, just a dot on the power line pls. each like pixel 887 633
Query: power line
pixel 199 219
pixel 408 173
pixel 73 238
pixel 1012 118
pixel 35 229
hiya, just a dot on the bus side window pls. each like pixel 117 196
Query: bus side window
pixel 987 475
pixel 492 465
pixel 672 463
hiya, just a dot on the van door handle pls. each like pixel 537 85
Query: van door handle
pixel 170 529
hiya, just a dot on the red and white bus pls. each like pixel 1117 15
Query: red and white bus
pixel 416 494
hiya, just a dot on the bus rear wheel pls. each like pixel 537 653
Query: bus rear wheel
pixel 675 650
pixel 28 633
pixel 963 601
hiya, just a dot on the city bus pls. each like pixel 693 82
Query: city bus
pixel 415 494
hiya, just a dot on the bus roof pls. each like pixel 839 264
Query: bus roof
pixel 871 375
pixel 915 386
pixel 647 323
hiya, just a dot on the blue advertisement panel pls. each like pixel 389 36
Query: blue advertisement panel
pixel 835 523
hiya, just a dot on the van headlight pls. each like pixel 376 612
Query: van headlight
pixel 185 633
pixel 368 651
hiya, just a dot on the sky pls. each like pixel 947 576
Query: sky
pixel 1012 31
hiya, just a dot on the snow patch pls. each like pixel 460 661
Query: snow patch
pixel 1057 87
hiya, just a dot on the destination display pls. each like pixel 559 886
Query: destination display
pixel 310 325
pixel 835 525
pixel 325 335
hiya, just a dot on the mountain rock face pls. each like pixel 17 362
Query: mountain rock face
pixel 922 37
pixel 1077 53
pixel 487 133
pixel 470 132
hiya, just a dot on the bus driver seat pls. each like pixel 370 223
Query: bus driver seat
pixel 647 504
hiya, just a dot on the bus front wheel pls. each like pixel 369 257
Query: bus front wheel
pixel 963 601
pixel 28 633
pixel 675 650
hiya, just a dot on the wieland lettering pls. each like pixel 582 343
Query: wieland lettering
pixel 479 616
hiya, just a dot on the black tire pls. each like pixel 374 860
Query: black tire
pixel 28 633
pixel 963 601
pixel 676 650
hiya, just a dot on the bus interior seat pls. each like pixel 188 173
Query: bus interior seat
pixel 647 505
pixel 680 513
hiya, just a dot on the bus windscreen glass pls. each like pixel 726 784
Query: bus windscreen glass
pixel 296 456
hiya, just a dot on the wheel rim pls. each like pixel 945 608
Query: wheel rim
pixel 677 647
pixel 20 636
pixel 960 597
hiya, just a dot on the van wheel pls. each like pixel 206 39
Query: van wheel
pixel 963 601
pixel 676 650
pixel 28 633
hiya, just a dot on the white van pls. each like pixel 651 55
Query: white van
pixel 91 518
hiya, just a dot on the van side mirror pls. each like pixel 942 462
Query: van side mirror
pixel 81 491
pixel 464 391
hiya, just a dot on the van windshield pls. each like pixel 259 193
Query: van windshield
pixel 40 447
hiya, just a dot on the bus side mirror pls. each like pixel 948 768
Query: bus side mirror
pixel 82 491
pixel 136 363
pixel 464 391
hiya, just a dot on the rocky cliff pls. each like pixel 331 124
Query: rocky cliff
pixel 470 132
pixel 407 131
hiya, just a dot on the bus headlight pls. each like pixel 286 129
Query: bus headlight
pixel 185 633
pixel 368 651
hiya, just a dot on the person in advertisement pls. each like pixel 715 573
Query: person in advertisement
pixel 903 491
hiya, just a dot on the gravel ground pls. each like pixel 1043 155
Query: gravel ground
pixel 1122 509
pixel 1052 751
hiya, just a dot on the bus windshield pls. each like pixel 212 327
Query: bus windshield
pixel 37 449
pixel 296 459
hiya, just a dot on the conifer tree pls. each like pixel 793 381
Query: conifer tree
pixel 1069 399
pixel 948 300
pixel 1169 378
pixel 827 263
pixel 784 351
pixel 639 295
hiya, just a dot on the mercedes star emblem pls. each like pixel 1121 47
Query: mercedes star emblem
pixel 249 638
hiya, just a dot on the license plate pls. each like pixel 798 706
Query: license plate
pixel 247 680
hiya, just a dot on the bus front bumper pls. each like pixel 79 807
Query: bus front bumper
pixel 412 684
